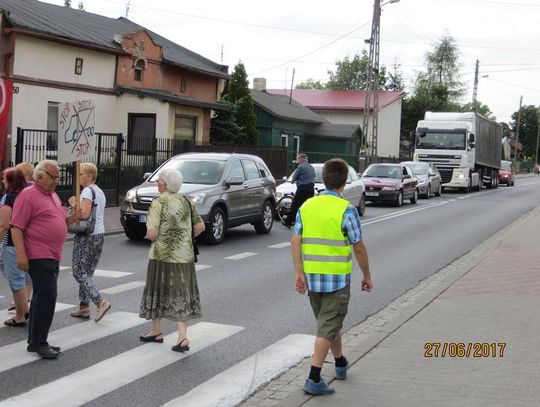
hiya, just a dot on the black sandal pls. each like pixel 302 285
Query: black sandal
pixel 179 347
pixel 151 338
pixel 13 322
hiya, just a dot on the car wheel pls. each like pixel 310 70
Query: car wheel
pixel 399 199
pixel 135 233
pixel 362 205
pixel 428 192
pixel 264 224
pixel 439 191
pixel 215 232
pixel 414 198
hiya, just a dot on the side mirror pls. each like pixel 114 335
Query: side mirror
pixel 471 138
pixel 236 180
pixel 406 176
pixel 471 145
pixel 146 175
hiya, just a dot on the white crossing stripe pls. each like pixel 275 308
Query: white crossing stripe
pixel 105 273
pixel 123 287
pixel 199 267
pixel 4 314
pixel 67 338
pixel 280 245
pixel 112 373
pixel 241 256
pixel 233 385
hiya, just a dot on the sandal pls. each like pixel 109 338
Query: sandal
pixel 152 338
pixel 180 348
pixel 13 322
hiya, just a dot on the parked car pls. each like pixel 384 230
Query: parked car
pixel 506 173
pixel 228 189
pixel 429 178
pixel 390 183
pixel 354 190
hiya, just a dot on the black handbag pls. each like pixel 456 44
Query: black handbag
pixel 86 226
pixel 193 241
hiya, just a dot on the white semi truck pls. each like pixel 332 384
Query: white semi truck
pixel 465 147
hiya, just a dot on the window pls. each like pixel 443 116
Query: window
pixel 183 85
pixel 184 128
pixel 284 140
pixel 296 144
pixel 52 129
pixel 251 169
pixel 141 133
pixel 78 66
pixel 235 170
pixel 138 70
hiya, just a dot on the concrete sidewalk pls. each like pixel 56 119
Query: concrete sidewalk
pixel 488 300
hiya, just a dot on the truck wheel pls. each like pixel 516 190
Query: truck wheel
pixel 399 199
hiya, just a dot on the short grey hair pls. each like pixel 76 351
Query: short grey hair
pixel 172 178
pixel 40 168
pixel 302 156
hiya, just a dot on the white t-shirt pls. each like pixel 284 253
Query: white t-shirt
pixel 100 210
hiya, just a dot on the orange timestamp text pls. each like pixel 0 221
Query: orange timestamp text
pixel 464 350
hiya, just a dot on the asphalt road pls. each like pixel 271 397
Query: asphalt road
pixel 254 291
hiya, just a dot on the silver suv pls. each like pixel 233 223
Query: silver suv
pixel 228 189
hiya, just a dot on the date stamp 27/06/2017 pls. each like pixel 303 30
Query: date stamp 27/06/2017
pixel 464 350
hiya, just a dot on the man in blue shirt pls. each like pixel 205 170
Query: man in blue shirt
pixel 304 176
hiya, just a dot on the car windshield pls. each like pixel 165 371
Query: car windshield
pixel 441 141
pixel 206 172
pixel 383 171
pixel 418 169
pixel 506 165
pixel 318 174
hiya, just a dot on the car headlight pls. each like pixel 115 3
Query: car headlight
pixel 461 176
pixel 131 196
pixel 389 188
pixel 197 198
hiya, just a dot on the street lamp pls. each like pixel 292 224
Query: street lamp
pixel 372 83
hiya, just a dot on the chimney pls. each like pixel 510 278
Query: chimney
pixel 259 84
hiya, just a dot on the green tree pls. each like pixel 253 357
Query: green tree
pixel 239 96
pixel 351 74
pixel 480 108
pixel 67 3
pixel 223 127
pixel 81 5
pixel 310 84
pixel 528 129
pixel 395 78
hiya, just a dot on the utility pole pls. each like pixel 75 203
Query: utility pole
pixel 475 87
pixel 369 135
pixel 127 7
pixel 517 128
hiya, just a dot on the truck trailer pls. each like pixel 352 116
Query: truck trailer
pixel 465 148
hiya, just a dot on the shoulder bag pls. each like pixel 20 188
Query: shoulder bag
pixel 193 241
pixel 86 226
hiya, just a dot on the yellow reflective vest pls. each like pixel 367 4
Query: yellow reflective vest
pixel 325 250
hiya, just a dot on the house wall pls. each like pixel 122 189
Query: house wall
pixel 48 60
pixel 197 113
pixel 389 124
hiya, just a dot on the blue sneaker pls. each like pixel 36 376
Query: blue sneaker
pixel 317 388
pixel 341 372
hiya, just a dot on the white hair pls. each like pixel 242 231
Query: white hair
pixel 40 168
pixel 172 178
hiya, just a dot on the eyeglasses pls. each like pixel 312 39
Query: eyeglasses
pixel 53 177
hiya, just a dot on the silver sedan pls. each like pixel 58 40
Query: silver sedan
pixel 429 178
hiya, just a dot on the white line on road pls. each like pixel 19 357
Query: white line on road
pixel 123 287
pixel 402 213
pixel 280 245
pixel 88 384
pixel 105 273
pixel 16 355
pixel 233 385
pixel 241 256
pixel 199 267
pixel 4 314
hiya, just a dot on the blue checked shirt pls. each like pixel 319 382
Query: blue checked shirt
pixel 350 225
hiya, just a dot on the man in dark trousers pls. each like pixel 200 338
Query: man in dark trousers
pixel 304 176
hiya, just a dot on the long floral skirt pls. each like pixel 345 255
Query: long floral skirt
pixel 170 292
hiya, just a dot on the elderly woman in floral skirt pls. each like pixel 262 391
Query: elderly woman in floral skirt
pixel 171 290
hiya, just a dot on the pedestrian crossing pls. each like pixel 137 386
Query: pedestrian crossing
pixel 4 314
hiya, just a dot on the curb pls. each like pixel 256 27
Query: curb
pixel 457 269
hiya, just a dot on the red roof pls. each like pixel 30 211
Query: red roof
pixel 318 99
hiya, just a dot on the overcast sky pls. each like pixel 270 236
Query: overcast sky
pixel 274 37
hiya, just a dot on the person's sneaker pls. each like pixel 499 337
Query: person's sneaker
pixel 320 388
pixel 341 372
pixel 81 312
pixel 105 306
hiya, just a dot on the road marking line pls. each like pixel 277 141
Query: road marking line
pixel 4 314
pixel 233 385
pixel 123 287
pixel 280 245
pixel 88 384
pixel 241 256
pixel 199 267
pixel 15 354
pixel 396 215
pixel 105 273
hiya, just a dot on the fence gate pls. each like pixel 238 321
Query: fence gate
pixel 36 145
